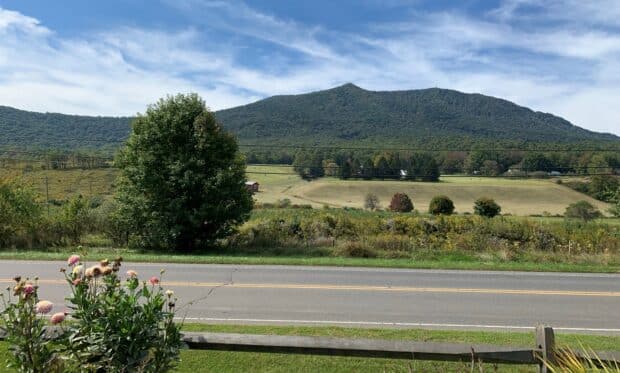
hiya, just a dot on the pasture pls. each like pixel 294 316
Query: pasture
pixel 516 196
pixel 521 197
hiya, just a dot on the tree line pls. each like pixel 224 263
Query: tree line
pixel 384 166
pixel 427 166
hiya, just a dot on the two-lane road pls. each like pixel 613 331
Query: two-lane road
pixel 372 296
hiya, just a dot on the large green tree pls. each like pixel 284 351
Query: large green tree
pixel 182 182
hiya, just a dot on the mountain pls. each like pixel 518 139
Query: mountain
pixel 350 113
pixel 26 129
pixel 343 115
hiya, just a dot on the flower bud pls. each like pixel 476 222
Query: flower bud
pixel 57 318
pixel 44 306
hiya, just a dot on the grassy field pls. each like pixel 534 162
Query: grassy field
pixel 64 184
pixel 517 197
pixel 217 361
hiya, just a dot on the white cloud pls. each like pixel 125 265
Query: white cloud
pixel 568 70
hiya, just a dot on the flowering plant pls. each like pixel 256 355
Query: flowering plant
pixel 119 326
pixel 31 350
pixel 124 326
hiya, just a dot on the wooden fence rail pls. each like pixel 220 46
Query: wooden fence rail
pixel 392 349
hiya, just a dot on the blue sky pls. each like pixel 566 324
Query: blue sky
pixel 115 57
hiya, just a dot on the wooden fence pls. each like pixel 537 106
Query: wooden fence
pixel 391 349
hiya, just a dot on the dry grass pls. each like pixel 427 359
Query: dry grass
pixel 63 184
pixel 517 197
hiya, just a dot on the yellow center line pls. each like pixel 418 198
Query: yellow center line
pixel 407 289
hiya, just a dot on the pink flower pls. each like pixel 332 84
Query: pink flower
pixel 28 289
pixel 154 280
pixel 76 281
pixel 44 306
pixel 57 318
pixel 131 273
pixel 73 259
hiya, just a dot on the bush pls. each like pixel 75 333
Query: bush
pixel 118 327
pixel 283 203
pixel 356 249
pixel 20 214
pixel 441 205
pixel 111 222
pixel 24 329
pixel 371 201
pixel 76 218
pixel 486 207
pixel 582 210
pixel 401 203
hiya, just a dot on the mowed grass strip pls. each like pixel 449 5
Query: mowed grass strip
pixel 457 261
pixel 217 361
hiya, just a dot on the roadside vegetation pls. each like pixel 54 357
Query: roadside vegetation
pixel 296 234
pixel 218 361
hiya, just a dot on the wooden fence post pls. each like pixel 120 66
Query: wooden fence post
pixel 545 342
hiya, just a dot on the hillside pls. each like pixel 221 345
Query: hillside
pixel 26 129
pixel 350 113
pixel 346 114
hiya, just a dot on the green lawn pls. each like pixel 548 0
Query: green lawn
pixel 217 361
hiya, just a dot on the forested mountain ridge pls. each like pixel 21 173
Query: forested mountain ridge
pixel 343 115
pixel 27 129
pixel 351 113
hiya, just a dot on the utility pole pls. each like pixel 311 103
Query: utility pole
pixel 47 195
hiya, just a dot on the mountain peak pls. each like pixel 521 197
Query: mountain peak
pixel 350 86
pixel 350 113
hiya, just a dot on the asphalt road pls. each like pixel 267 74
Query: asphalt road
pixel 369 297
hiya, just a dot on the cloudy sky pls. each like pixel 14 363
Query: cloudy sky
pixel 114 57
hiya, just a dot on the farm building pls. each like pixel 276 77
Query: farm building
pixel 252 186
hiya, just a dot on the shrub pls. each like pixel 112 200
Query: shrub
pixel 356 249
pixel 19 214
pixel 582 210
pixel 371 201
pixel 283 203
pixel 121 328
pixel 76 219
pixel 486 207
pixel 117 327
pixel 111 222
pixel 401 203
pixel 30 352
pixel 441 205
